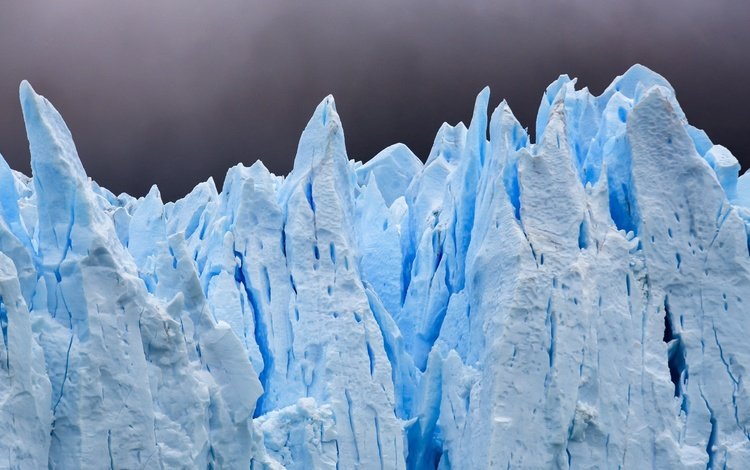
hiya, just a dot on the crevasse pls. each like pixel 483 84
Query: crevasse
pixel 577 302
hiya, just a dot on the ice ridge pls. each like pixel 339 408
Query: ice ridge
pixel 577 301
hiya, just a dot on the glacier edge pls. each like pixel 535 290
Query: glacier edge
pixel 577 301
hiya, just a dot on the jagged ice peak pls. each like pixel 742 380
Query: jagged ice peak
pixel 574 302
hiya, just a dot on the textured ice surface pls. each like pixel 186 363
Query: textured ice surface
pixel 578 302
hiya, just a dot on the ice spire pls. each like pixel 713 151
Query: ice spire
pixel 575 302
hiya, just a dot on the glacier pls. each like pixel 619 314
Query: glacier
pixel 577 301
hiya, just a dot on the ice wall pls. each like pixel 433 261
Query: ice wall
pixel 577 302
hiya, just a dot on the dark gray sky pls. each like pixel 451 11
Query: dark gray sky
pixel 171 92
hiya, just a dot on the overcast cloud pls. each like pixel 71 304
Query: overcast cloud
pixel 171 92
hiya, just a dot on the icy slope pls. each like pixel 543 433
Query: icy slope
pixel 578 302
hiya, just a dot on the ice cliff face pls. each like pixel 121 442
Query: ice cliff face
pixel 578 302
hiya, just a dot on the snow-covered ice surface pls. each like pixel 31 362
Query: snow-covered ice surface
pixel 578 302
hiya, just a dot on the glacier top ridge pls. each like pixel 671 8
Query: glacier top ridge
pixel 577 301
